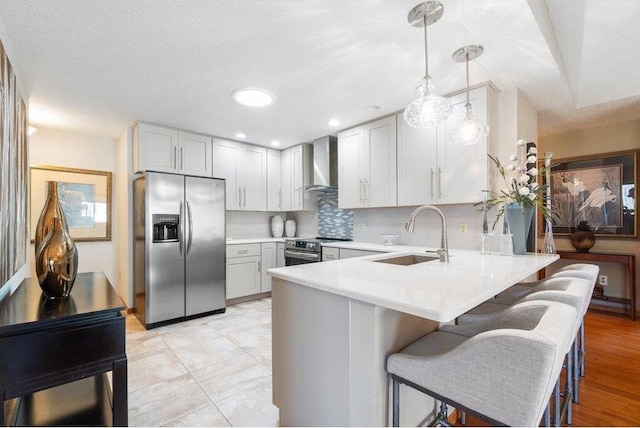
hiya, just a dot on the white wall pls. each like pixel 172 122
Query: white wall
pixel 122 216
pixel 73 150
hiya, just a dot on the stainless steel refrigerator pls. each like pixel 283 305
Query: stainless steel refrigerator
pixel 179 247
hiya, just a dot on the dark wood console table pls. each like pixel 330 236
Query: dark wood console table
pixel 626 259
pixel 63 344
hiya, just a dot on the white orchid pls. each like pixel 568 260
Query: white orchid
pixel 521 181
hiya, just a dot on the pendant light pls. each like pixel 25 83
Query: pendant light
pixel 429 109
pixel 470 130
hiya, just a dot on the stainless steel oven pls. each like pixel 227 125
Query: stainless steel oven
pixel 301 251
pixel 305 250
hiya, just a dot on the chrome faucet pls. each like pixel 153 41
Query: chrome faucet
pixel 443 251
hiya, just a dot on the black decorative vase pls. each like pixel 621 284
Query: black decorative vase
pixel 56 255
pixel 583 238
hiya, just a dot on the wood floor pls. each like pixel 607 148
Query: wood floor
pixel 610 391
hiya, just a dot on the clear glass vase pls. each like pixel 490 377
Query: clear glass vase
pixel 548 245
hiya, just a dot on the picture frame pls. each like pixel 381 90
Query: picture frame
pixel 85 197
pixel 598 189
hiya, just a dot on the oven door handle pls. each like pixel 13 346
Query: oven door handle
pixel 301 255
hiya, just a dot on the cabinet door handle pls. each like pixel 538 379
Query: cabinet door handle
pixel 366 184
pixel 439 182
pixel 361 198
pixel 243 251
pixel 175 156
pixel 239 196
pixel 431 183
pixel 244 193
pixel 259 266
pixel 181 159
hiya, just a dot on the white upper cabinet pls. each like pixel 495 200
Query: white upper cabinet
pixel 274 180
pixel 297 173
pixel 285 177
pixel 433 170
pixel 244 167
pixel 195 154
pixel 227 164
pixel 367 165
pixel 301 176
pixel 463 169
pixel 157 148
pixel 254 178
pixel 417 164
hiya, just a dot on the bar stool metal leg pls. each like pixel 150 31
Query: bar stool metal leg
pixel 582 349
pixel 546 416
pixel 556 404
pixel 396 403
pixel 576 371
pixel 569 389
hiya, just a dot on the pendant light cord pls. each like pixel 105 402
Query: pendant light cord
pixel 426 56
pixel 467 55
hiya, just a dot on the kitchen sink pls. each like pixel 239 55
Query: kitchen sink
pixel 407 260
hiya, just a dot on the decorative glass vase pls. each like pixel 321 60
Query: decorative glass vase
pixel 56 255
pixel 519 219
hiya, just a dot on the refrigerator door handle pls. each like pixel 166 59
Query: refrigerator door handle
pixel 181 238
pixel 190 226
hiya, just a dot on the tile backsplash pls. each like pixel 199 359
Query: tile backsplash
pixel 369 224
pixel 333 222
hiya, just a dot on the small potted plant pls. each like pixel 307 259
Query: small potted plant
pixel 583 238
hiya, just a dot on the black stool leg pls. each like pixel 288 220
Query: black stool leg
pixel 396 403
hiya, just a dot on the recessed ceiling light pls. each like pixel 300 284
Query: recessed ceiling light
pixel 372 107
pixel 275 143
pixel 253 97
pixel 334 122
pixel 241 135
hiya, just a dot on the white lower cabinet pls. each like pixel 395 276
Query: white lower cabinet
pixel 330 253
pixel 347 253
pixel 269 255
pixel 243 270
pixel 280 261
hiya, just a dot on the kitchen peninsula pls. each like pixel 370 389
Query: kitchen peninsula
pixel 334 324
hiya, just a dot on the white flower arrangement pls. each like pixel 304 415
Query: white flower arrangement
pixel 521 184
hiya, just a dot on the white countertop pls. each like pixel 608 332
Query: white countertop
pixel 434 290
pixel 367 246
pixel 231 241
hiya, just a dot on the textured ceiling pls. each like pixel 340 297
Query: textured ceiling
pixel 96 67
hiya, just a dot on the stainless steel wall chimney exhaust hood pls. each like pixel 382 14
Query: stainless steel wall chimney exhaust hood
pixel 325 165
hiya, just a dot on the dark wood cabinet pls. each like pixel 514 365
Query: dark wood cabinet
pixel 67 344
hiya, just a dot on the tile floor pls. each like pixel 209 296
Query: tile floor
pixel 211 371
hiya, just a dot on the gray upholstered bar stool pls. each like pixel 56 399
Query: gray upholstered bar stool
pixel 576 270
pixel 503 370
pixel 575 292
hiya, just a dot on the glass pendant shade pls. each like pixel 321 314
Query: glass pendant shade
pixel 428 109
pixel 469 130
